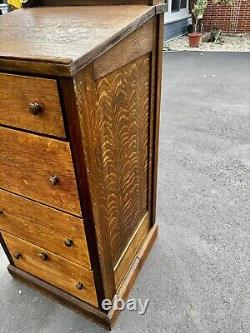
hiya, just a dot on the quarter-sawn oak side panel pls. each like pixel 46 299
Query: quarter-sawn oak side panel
pixel 123 102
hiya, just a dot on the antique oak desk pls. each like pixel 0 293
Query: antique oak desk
pixel 79 117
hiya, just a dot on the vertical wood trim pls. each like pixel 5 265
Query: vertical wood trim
pixel 157 105
pixel 152 124
pixel 4 246
pixel 66 90
pixel 90 130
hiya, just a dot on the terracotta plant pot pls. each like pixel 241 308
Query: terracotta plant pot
pixel 194 39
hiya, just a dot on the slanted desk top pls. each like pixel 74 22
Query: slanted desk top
pixel 67 37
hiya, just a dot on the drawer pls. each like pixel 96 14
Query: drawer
pixel 70 277
pixel 31 103
pixel 55 231
pixel 38 168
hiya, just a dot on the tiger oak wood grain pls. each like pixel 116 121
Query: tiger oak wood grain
pixel 90 127
pixel 72 115
pixel 17 92
pixel 44 227
pixel 56 270
pixel 114 118
pixel 123 99
pixel 28 161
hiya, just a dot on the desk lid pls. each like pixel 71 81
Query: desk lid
pixel 61 40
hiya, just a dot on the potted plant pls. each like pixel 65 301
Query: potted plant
pixel 198 12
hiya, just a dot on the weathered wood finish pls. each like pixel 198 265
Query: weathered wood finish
pixel 44 227
pixel 28 161
pixel 55 270
pixel 18 92
pixel 79 36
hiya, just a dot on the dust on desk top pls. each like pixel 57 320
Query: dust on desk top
pixel 64 34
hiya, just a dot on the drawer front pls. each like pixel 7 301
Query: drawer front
pixel 57 232
pixel 39 168
pixel 53 269
pixel 31 103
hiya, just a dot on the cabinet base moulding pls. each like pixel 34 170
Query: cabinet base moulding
pixel 105 319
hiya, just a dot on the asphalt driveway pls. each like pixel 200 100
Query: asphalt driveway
pixel 197 276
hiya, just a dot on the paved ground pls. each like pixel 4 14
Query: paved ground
pixel 197 276
pixel 233 43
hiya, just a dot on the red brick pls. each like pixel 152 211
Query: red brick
pixel 220 16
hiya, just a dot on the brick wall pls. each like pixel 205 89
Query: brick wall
pixel 234 18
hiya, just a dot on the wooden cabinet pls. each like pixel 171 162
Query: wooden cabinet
pixel 79 119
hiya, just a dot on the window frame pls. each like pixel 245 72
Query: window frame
pixel 177 15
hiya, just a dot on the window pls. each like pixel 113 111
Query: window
pixel 183 3
pixel 176 5
pixel 177 10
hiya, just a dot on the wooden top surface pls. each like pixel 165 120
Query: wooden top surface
pixel 65 38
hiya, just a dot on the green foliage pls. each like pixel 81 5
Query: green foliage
pixel 199 8
pixel 198 11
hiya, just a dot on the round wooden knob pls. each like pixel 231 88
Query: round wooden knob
pixel 18 256
pixel 43 256
pixel 68 242
pixel 35 108
pixel 54 180
pixel 1 213
pixel 80 286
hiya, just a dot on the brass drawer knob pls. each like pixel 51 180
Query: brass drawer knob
pixel 80 286
pixel 68 242
pixel 35 108
pixel 43 256
pixel 54 180
pixel 18 256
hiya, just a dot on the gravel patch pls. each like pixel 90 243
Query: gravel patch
pixel 235 43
